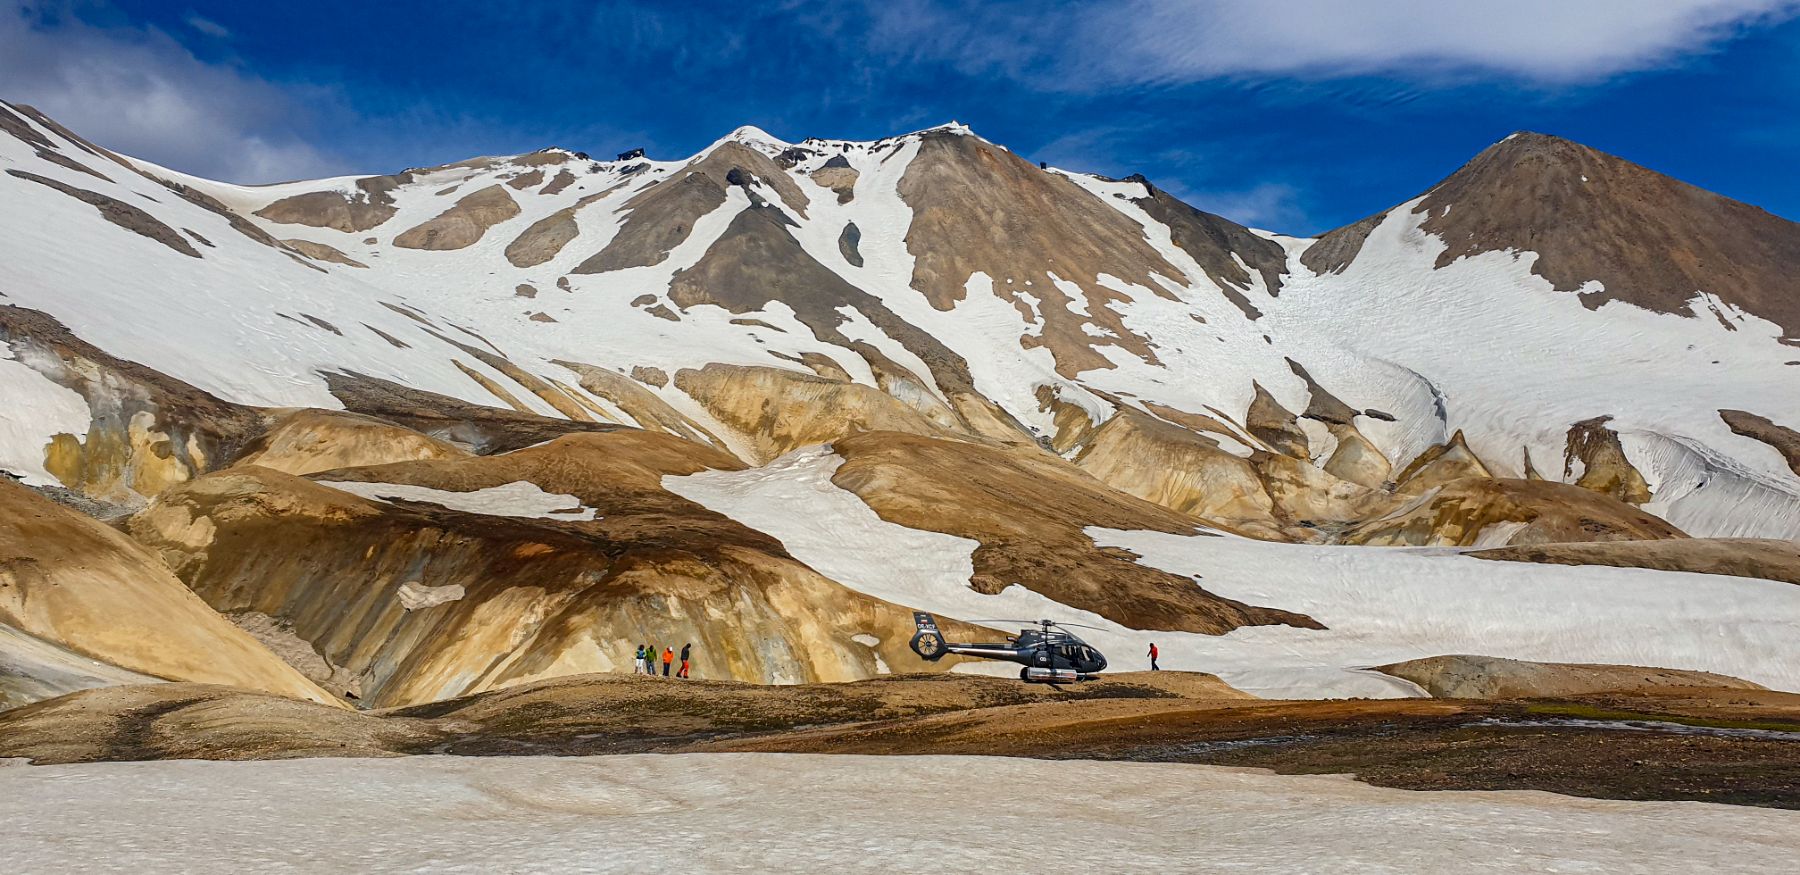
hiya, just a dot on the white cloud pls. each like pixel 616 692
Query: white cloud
pixel 1271 205
pixel 1137 42
pixel 138 91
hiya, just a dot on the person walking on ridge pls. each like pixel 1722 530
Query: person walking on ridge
pixel 637 662
pixel 1153 652
pixel 686 651
pixel 668 659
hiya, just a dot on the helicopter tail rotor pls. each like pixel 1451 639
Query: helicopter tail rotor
pixel 927 642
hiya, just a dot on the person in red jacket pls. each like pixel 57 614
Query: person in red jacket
pixel 1153 651
pixel 668 658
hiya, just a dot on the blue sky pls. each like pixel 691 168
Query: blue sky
pixel 1297 115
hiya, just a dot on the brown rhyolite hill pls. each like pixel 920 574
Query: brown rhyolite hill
pixel 1651 240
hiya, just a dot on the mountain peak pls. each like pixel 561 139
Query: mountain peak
pixel 1648 239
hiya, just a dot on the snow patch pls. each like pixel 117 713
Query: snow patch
pixel 519 498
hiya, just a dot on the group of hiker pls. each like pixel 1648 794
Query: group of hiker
pixel 647 658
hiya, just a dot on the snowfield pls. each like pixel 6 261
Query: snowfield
pixel 1381 604
pixel 821 813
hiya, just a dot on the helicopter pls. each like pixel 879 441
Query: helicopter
pixel 1049 653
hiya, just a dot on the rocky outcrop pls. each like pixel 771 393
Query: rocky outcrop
pixel 1489 677
pixel 547 236
pixel 837 175
pixel 78 586
pixel 1782 439
pixel 462 224
pixel 1603 466
pixel 1275 425
pixel 118 212
pixel 322 252
pixel 371 205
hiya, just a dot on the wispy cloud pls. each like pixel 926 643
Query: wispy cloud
pixel 1160 42
pixel 208 26
pixel 139 91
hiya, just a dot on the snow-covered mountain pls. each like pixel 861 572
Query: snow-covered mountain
pixel 1551 345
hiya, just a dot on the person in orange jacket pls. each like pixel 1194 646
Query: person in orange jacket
pixel 668 659
pixel 1153 652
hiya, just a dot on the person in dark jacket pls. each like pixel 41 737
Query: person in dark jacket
pixel 668 659
pixel 637 662
pixel 1153 651
pixel 687 650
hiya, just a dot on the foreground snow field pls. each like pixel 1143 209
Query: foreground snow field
pixel 809 813
pixel 1381 605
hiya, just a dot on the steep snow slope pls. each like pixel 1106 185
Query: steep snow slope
pixel 759 812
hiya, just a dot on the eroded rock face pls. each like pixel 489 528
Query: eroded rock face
pixel 480 428
pixel 1029 511
pixel 642 405
pixel 540 597
pixel 1485 512
pixel 463 224
pixel 778 410
pixel 148 431
pixel 308 441
pixel 83 588
pixel 1444 463
pixel 1178 469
